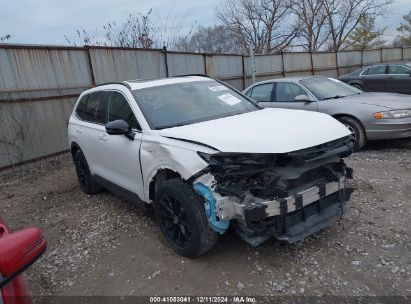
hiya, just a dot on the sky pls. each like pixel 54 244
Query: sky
pixel 48 21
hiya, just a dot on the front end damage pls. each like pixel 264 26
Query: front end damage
pixel 288 196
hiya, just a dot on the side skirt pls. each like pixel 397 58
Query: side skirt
pixel 120 191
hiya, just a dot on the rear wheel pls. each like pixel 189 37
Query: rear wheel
pixel 181 216
pixel 356 129
pixel 85 179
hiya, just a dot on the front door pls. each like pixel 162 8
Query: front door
pixel 284 94
pixel 374 79
pixel 399 79
pixel 120 155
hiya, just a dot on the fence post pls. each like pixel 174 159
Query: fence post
pixel 402 52
pixel 205 64
pixel 282 63
pixel 381 57
pixel 336 63
pixel 166 60
pixel 244 74
pixel 253 68
pixel 90 65
pixel 362 57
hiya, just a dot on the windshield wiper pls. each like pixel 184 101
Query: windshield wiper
pixel 169 126
pixel 334 97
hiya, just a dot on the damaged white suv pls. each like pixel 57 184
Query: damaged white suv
pixel 207 158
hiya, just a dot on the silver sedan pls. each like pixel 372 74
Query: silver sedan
pixel 370 116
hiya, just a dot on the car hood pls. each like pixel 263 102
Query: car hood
pixel 388 100
pixel 263 131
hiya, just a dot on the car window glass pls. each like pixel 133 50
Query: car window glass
pixel 95 107
pixel 249 92
pixel 81 107
pixel 170 105
pixel 118 108
pixel 287 91
pixel 376 70
pixel 398 69
pixel 328 88
pixel 262 92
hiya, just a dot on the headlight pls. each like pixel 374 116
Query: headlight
pixel 205 156
pixel 236 158
pixel 392 114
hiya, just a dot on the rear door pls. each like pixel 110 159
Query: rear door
pixel 374 79
pixel 261 93
pixel 91 123
pixel 284 94
pixel 399 79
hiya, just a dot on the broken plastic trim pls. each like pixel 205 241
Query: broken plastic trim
pixel 216 224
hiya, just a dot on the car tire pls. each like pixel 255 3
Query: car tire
pixel 357 129
pixel 180 213
pixel 85 179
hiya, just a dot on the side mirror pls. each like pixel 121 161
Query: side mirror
pixel 119 127
pixel 303 98
pixel 18 251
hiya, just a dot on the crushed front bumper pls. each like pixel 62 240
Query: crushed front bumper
pixel 308 212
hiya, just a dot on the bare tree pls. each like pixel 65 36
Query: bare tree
pixel 137 31
pixel 344 16
pixel 213 39
pixel 268 25
pixel 313 28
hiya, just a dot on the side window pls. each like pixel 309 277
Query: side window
pixel 398 69
pixel 95 107
pixel 375 70
pixel 287 91
pixel 81 107
pixel 118 108
pixel 262 92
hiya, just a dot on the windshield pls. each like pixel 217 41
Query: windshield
pixel 180 104
pixel 328 88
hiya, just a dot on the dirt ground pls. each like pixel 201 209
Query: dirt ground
pixel 101 245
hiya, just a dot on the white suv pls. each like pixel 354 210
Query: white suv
pixel 207 158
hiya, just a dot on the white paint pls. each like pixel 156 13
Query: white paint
pixel 117 159
pixel 263 131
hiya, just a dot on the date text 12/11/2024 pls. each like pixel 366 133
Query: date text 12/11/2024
pixel 203 299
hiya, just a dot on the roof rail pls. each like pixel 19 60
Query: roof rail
pixel 115 82
pixel 186 75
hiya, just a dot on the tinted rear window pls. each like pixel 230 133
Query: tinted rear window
pixel 94 111
pixel 81 107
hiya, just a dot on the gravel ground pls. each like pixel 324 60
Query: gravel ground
pixel 101 245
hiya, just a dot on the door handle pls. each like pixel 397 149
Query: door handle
pixel 102 137
pixel 78 130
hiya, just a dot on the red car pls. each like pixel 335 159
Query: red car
pixel 18 250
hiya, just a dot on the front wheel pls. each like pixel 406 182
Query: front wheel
pixel 356 129
pixel 181 216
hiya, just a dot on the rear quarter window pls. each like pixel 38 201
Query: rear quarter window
pixel 95 108
pixel 81 106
